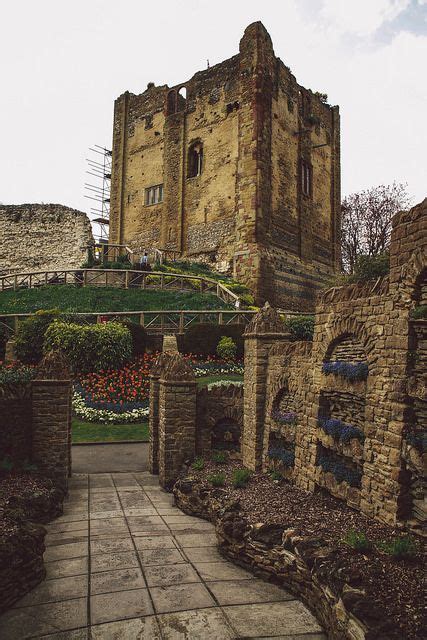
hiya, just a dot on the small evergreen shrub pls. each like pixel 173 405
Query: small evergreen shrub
pixel 198 464
pixel 217 479
pixel 357 540
pixel 300 327
pixel 240 478
pixel 227 348
pixel 367 268
pixel 219 457
pixel 400 547
pixel 352 371
pixel 31 333
pixel 275 475
pixel 90 347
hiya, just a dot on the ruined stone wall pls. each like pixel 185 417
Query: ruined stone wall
pixel 42 237
pixel 245 213
pixel 38 237
pixel 365 372
pixel 219 421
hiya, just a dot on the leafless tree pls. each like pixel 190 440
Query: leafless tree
pixel 366 221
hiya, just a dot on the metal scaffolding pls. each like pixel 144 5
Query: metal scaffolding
pixel 99 168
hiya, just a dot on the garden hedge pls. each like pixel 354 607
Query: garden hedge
pixel 203 338
pixel 90 347
pixel 31 333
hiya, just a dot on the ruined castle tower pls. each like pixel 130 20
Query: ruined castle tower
pixel 239 166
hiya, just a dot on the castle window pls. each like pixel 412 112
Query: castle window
pixel 171 102
pixel 306 178
pixel 195 160
pixel 154 195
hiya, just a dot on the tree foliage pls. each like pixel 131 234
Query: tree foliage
pixel 366 221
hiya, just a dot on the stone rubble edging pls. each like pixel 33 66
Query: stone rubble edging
pixel 306 566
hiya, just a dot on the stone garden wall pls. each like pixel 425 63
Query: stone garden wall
pixel 35 421
pixel 347 413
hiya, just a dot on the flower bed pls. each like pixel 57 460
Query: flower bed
pixel 288 417
pixel 122 395
pixel 340 430
pixel 303 541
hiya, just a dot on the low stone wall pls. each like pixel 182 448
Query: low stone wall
pixel 306 566
pixel 22 540
pixel 15 422
pixel 21 561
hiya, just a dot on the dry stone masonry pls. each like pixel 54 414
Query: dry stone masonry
pixel 42 237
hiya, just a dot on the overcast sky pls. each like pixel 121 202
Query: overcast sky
pixel 62 64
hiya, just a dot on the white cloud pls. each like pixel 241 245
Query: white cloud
pixel 360 17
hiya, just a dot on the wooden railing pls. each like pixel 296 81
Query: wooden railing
pixel 153 321
pixel 122 278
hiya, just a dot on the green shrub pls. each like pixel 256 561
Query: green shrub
pixel 198 464
pixel 90 347
pixel 5 333
pixel 401 547
pixel 203 338
pixel 420 312
pixel 300 327
pixel 247 300
pixel 217 479
pixel 31 333
pixel 240 478
pixel 219 457
pixel 139 337
pixel 227 348
pixel 357 540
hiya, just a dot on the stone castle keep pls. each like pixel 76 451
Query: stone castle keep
pixel 240 167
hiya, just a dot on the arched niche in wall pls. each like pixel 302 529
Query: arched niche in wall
pixel 226 435
pixel 341 417
pixel 280 453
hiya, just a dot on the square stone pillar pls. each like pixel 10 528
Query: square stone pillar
pixel 153 420
pixel 51 419
pixel 264 330
pixel 177 419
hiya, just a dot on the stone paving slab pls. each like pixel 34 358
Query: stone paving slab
pixel 125 564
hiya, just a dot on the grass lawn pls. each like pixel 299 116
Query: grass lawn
pixel 204 380
pixel 94 432
pixel 97 299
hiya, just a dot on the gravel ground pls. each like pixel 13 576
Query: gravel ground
pixel 395 584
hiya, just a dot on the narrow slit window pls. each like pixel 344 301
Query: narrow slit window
pixel 306 178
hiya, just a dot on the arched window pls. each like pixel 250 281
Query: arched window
pixel 195 160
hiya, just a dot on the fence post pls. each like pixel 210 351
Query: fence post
pixel 141 319
pixel 181 322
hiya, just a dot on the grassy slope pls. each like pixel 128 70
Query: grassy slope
pixel 93 432
pixel 98 299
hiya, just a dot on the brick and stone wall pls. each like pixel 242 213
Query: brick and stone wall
pixel 246 212
pixel 39 237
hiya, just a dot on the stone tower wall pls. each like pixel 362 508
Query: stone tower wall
pixel 245 213
pixel 42 237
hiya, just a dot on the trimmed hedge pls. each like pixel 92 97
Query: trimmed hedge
pixel 90 347
pixel 300 327
pixel 203 338
pixel 31 333
pixel 139 337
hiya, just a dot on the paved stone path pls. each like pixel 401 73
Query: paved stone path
pixel 124 564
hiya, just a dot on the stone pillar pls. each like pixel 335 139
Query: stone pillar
pixel 153 420
pixel 264 330
pixel 51 416
pixel 177 418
